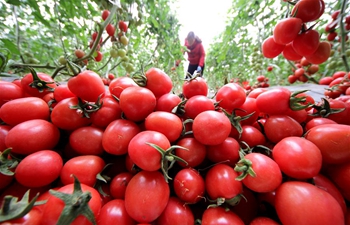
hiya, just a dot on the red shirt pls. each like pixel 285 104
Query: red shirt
pixel 196 54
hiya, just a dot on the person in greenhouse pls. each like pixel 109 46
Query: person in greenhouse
pixel 195 54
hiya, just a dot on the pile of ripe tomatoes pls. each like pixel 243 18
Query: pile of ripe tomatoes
pixel 127 153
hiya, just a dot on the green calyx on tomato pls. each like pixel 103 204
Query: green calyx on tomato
pixel 236 120
pixel 168 156
pixel 76 204
pixel 13 209
pixel 140 80
pixel 298 103
pixel 6 164
pixel 245 167
pixel 324 109
pixel 86 108
pixel 38 83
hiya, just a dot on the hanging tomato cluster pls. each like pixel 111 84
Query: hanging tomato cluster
pixel 331 28
pixel 294 39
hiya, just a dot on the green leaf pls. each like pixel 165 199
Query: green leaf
pixel 10 46
pixel 14 2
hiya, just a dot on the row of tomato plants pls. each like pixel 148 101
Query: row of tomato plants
pixel 134 152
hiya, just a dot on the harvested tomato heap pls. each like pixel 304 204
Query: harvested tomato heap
pixel 134 152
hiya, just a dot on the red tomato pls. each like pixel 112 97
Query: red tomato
pixel 197 104
pixel 248 107
pixel 325 80
pixel 290 54
pixel 30 172
pixel 297 157
pixel 301 199
pixel 195 153
pixel 340 175
pixel 326 184
pixel 27 80
pixel 262 220
pixel 321 54
pixel 110 29
pixel 137 103
pixel 227 152
pixel 87 140
pixel 230 96
pixel 333 141
pixel 268 175
pixel 62 92
pixel 9 91
pixel 219 215
pixel 167 102
pixel 33 217
pixel 109 112
pixel 189 185
pixel 117 85
pixel 211 127
pixel 35 108
pixel 270 48
pixel 146 196
pixel 31 136
pixel 278 127
pixel 166 123
pixel 176 212
pixel 252 136
pixel 122 26
pixel 248 206
pixel 119 183
pixel 98 58
pixel 67 118
pixel 342 117
pixel 54 206
pixel 84 167
pixel 308 10
pixel 274 101
pixel 286 30
pixel 306 43
pixel 220 182
pixel 317 121
pixel 113 211
pixel 4 130
pixel 125 130
pixel 158 82
pixel 87 85
pixel 105 14
pixel 197 86
pixel 142 154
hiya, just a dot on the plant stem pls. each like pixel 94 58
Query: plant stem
pixel 343 34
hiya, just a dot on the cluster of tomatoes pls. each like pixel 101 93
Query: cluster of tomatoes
pixel 294 39
pixel 303 71
pixel 131 154
pixel 338 84
pixel 331 27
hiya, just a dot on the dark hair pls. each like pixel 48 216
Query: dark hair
pixel 191 34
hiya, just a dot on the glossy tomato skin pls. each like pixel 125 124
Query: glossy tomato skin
pixel 146 196
pixel 227 152
pixel 248 107
pixel 286 30
pixel 308 10
pixel 114 211
pixel 195 153
pixel 125 130
pixel 87 140
pixel 340 175
pixel 9 91
pixel 23 109
pixel 118 84
pixel 62 92
pixel 66 118
pixel 31 136
pixel 84 167
pixel 230 96
pixel 306 43
pixel 31 91
pixel 296 199
pixel 317 121
pixel 4 130
pixel 118 184
pixel 197 104
pixel 270 48
pixel 54 206
pixel 274 101
pixel 268 174
pixel 166 123
pixel 261 220
pixel 137 103
pixel 252 136
pixel 197 86
pixel 87 85
pixel 30 172
pixel 167 102
pixel 189 185
pixel 220 182
pixel 158 82
pixel 33 217
pixel 333 141
pixel 176 212
pixel 142 154
pixel 278 127
pixel 297 157
pixel 211 127
pixel 321 54
pixel 218 215
pixel 109 112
